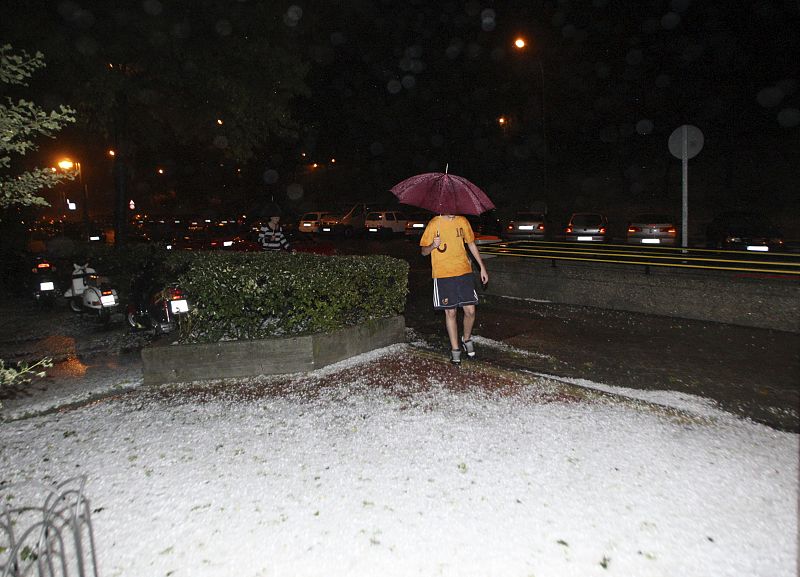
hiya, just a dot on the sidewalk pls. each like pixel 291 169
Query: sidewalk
pixel 750 372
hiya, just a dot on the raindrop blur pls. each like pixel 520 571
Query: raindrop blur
pixel 670 21
pixel 634 57
pixel 86 46
pixel 152 7
pixel 789 117
pixel 455 48
pixel 609 134
pixel 394 86
pixel 770 97
pixel 789 86
pixel 293 15
pixel 294 191
pixel 221 141
pixel 644 126
pixel 651 26
pixel 488 22
pixel 692 52
pixel 223 28
pixel 602 70
pixel 408 82
pixel 270 176
pixel 626 130
pixel 181 30
pixel 680 5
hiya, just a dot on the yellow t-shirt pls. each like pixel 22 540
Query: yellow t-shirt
pixel 450 259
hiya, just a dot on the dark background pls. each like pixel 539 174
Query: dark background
pixel 393 88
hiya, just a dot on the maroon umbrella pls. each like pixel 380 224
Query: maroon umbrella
pixel 442 193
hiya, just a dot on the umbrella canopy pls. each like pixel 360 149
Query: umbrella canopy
pixel 442 193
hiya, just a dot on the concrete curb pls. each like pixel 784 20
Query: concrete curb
pixel 761 301
pixel 164 363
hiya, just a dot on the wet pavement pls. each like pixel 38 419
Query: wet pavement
pixel 751 372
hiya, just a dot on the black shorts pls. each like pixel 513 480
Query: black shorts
pixel 455 291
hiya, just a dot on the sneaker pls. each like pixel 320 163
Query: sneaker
pixel 455 357
pixel 469 347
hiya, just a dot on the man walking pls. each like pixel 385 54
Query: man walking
pixel 446 239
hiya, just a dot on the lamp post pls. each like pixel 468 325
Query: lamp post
pixel 520 44
pixel 67 164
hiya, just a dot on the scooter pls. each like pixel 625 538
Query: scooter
pixel 45 286
pixel 155 307
pixel 91 293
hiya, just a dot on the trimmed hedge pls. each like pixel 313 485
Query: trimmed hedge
pixel 241 296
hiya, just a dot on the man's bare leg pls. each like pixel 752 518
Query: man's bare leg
pixel 469 321
pixel 451 322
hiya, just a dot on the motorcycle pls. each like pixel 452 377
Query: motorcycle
pixel 45 285
pixel 155 307
pixel 91 293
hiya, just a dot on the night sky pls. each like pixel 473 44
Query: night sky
pixel 393 88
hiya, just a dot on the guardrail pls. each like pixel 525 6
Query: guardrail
pixel 778 263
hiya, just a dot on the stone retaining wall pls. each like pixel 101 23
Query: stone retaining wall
pixel 764 301
pixel 165 363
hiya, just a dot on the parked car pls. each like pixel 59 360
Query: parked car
pixel 486 224
pixel 310 222
pixel 416 223
pixel 743 230
pixel 385 222
pixel 587 227
pixel 347 223
pixel 652 229
pixel 525 226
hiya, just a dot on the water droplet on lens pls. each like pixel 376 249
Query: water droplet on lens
pixel 770 97
pixel 789 117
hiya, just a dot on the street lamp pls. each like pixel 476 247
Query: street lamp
pixel 66 164
pixel 520 44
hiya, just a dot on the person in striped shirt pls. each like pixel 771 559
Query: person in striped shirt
pixel 271 235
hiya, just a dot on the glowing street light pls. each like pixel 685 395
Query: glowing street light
pixel 520 44
pixel 66 164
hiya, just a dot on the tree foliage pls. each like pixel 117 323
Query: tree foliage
pixel 21 123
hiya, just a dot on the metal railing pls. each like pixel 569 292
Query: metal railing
pixel 53 538
pixel 774 263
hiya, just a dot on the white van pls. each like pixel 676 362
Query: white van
pixel 385 222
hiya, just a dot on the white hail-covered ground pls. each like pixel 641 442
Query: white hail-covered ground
pixel 345 472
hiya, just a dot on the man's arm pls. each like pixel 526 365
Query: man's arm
pixel 426 250
pixel 473 248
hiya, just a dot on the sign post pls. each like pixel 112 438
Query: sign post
pixel 685 142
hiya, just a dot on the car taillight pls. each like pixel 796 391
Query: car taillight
pixel 540 228
pixel 568 229
pixel 669 229
pixel 602 230
pixel 632 229
pixel 43 265
pixel 510 226
pixel 106 292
